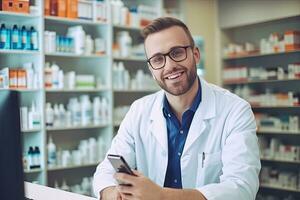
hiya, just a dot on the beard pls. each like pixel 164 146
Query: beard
pixel 180 87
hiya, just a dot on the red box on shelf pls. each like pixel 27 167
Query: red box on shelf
pixel 7 5
pixel 21 6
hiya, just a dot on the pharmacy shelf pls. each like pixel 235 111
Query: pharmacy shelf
pixel 23 90
pixel 279 188
pixel 31 130
pixel 278 132
pixel 280 161
pixel 130 28
pixel 68 21
pixel 33 171
pixel 275 107
pixel 5 15
pixel 131 58
pixel 257 55
pixel 72 167
pixel 137 91
pixel 76 127
pixel 259 81
pixel 14 51
pixel 77 90
pixel 72 55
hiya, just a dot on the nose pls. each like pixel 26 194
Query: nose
pixel 169 63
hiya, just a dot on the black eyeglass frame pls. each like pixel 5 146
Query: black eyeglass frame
pixel 168 54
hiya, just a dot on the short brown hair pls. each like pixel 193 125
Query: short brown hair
pixel 163 23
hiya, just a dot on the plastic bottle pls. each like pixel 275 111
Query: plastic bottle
pixel 62 114
pixel 96 111
pixel 37 157
pixel 25 41
pixel 61 79
pixel 57 121
pixel 55 75
pixel 125 43
pixel 86 110
pixel 30 157
pixel 15 42
pixel 49 115
pixel 48 76
pixel 51 148
pixel 105 110
pixel 3 36
pixel 34 118
pixel 34 42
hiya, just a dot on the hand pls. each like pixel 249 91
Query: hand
pixel 141 187
pixel 110 193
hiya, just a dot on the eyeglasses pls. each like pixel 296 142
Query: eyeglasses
pixel 177 54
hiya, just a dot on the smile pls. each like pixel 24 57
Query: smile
pixel 174 75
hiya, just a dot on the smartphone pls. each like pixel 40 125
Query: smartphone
pixel 119 163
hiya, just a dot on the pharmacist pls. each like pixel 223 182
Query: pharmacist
pixel 191 140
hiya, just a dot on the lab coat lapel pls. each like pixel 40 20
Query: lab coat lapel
pixel 158 122
pixel 205 111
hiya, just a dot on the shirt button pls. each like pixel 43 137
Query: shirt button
pixel 175 180
pixel 169 115
pixel 179 154
pixel 181 131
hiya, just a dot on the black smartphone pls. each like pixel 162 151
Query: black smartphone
pixel 119 163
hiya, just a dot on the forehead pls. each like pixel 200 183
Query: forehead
pixel 163 41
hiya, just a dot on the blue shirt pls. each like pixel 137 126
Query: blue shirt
pixel 177 134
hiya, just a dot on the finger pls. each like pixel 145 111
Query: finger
pixel 137 173
pixel 127 196
pixel 125 189
pixel 126 178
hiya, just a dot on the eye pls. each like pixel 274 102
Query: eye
pixel 157 59
pixel 177 52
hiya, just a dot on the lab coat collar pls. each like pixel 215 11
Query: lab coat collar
pixel 206 110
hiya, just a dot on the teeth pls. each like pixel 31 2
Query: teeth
pixel 174 76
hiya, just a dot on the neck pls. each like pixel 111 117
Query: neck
pixel 180 104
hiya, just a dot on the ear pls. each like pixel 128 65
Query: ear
pixel 196 54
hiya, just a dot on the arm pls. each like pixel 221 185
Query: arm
pixel 240 158
pixel 122 144
pixel 142 188
pixel 181 194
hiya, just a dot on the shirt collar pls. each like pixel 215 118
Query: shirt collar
pixel 167 108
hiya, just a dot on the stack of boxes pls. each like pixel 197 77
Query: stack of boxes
pixel 61 8
pixel 21 6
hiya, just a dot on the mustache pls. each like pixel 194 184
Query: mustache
pixel 174 70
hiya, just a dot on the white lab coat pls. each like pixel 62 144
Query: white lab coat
pixel 223 128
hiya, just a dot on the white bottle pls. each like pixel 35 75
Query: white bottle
pixel 96 111
pixel 75 110
pixel 62 114
pixel 61 79
pixel 34 118
pixel 92 145
pixel 29 75
pixel 104 110
pixel 56 122
pixel 89 48
pixel 51 148
pixel 49 115
pixel 125 43
pixel 64 186
pixel 48 76
pixel 55 75
pixel 86 110
pixel 120 75
pixel 78 34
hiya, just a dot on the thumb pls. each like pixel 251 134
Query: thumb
pixel 137 173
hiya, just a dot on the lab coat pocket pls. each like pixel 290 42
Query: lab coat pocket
pixel 209 168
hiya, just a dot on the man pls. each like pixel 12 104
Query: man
pixel 189 141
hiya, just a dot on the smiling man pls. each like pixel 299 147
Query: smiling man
pixel 191 140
